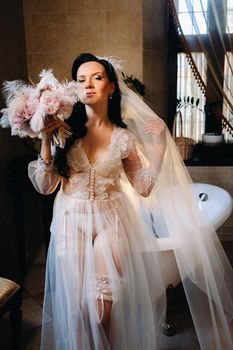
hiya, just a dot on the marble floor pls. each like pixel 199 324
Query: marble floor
pixel 184 339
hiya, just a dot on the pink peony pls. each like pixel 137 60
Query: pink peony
pixel 16 120
pixel 50 102
pixel 30 107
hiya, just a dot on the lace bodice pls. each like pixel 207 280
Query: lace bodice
pixel 100 180
pixel 119 147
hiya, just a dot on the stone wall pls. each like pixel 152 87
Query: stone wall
pixel 12 66
pixel 57 31
pixel 155 55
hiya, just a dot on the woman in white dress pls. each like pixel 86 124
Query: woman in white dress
pixel 97 293
pixel 104 287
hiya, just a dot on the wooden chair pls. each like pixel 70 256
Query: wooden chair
pixel 11 301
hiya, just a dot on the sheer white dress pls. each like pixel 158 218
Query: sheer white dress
pixel 99 252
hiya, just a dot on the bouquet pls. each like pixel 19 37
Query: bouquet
pixel 29 106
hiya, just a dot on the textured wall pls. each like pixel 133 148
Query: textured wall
pixel 12 66
pixel 134 30
pixel 12 43
pixel 155 55
pixel 57 31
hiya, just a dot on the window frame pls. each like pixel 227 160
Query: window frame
pixel 175 47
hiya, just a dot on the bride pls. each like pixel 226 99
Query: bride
pixel 104 288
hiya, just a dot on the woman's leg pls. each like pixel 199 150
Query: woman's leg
pixel 104 283
pixel 103 293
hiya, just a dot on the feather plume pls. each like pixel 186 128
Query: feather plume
pixel 47 81
pixel 4 121
pixel 37 121
pixel 116 62
pixel 28 105
pixel 12 89
pixel 68 91
pixel 17 104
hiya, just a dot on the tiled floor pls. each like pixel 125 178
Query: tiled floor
pixel 184 339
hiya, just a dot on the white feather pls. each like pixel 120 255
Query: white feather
pixel 17 104
pixel 37 121
pixel 47 79
pixel 116 62
pixel 68 92
pixel 19 132
pixel 4 121
pixel 12 89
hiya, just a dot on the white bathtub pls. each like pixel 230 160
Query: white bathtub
pixel 217 204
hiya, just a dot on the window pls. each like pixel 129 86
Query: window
pixel 193 116
pixel 193 16
pixel 213 54
pixel 229 21
pixel 228 89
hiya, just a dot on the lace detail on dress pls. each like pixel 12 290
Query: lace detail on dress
pixel 77 160
pixel 98 181
pixel 102 183
pixel 121 144
pixel 119 148
pixel 82 180
pixel 104 292
pixel 147 175
pixel 104 288
pixel 43 165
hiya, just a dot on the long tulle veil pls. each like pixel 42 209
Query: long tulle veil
pixel 172 211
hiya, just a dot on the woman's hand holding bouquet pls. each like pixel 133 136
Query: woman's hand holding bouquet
pixel 43 108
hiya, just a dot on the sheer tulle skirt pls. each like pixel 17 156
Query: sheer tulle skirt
pixel 99 256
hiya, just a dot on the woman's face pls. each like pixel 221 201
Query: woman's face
pixel 93 83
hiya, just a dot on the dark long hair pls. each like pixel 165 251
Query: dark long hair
pixel 78 117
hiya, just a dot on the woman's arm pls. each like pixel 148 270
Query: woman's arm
pixel 42 172
pixel 143 178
